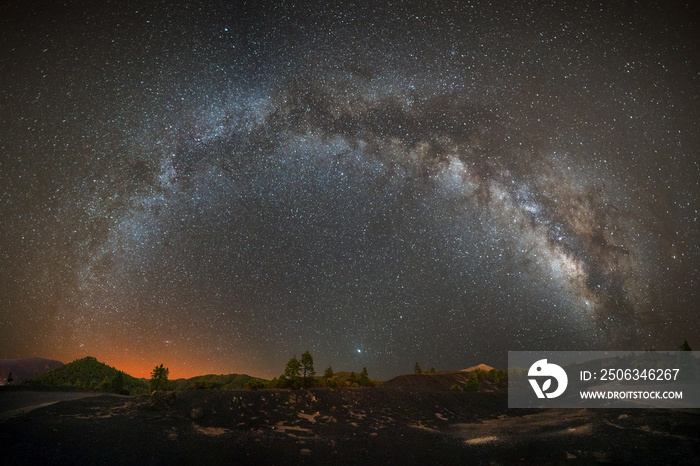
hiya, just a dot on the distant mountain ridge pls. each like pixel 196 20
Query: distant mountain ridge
pixel 481 367
pixel 25 368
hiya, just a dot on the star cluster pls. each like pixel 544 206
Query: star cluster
pixel 220 186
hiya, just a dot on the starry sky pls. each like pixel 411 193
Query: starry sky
pixel 218 186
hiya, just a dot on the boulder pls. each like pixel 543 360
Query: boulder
pixel 160 400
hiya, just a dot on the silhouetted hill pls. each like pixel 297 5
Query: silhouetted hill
pixel 25 368
pixel 89 373
pixel 471 380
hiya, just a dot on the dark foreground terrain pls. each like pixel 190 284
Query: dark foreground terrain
pixel 339 426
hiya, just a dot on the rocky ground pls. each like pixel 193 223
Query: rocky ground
pixel 340 426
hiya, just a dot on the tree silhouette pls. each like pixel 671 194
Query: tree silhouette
pixel 687 364
pixel 364 377
pixel 328 378
pixel 328 373
pixel 118 382
pixel 10 378
pixel 159 378
pixel 417 370
pixel 292 373
pixel 307 367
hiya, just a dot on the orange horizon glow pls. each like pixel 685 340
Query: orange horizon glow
pixel 141 368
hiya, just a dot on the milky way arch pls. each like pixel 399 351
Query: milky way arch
pixel 376 186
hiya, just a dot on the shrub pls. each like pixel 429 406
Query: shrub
pixel 473 383
pixel 255 384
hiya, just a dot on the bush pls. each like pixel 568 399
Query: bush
pixel 333 382
pixel 473 383
pixel 255 384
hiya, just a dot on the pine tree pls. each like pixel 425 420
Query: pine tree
pixel 417 370
pixel 117 382
pixel 159 378
pixel 364 377
pixel 328 373
pixel 307 367
pixel 685 346
pixel 328 378
pixel 10 379
pixel 292 373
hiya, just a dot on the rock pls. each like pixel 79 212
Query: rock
pixel 160 400
pixel 196 414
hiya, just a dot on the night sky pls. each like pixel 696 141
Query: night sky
pixel 218 187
